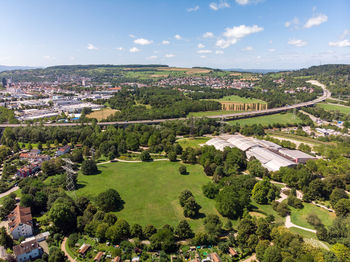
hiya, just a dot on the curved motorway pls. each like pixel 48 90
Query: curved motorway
pixel 326 94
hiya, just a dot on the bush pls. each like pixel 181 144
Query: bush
pixel 88 167
pixel 183 170
pixel 73 239
pixel 314 220
pixel 210 190
pixel 294 202
pixel 172 156
pixel 145 156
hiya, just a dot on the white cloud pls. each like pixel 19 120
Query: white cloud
pixel 341 43
pixel 178 37
pixel 193 9
pixel 248 48
pixel 152 57
pixel 216 6
pixel 271 50
pixel 201 46
pixel 204 51
pixel 165 42
pixel 71 58
pixel 316 20
pixel 258 57
pixel 294 22
pixel 132 36
pixel 242 2
pixel 134 50
pixel 142 41
pixel 169 55
pixel 208 35
pixel 232 35
pixel 119 48
pixel 219 52
pixel 297 42
pixel 203 56
pixel 91 47
pixel 345 33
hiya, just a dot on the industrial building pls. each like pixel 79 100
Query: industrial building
pixel 270 155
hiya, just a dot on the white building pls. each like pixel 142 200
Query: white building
pixel 28 250
pixel 20 222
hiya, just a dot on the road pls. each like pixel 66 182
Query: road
pixel 63 248
pixel 9 191
pixel 326 94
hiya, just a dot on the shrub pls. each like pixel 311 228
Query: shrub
pixel 183 170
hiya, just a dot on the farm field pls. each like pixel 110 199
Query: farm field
pixel 239 99
pixel 334 107
pixel 298 216
pixel 150 191
pixel 192 142
pixel 101 114
pixel 286 118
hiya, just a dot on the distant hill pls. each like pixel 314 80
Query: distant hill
pixel 261 71
pixel 329 69
pixel 6 68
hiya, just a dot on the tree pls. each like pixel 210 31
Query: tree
pixel 342 208
pixel 110 219
pixel 183 230
pixel 264 192
pixel 336 195
pixel 119 231
pixel 8 205
pixel 256 169
pixel 63 216
pixel 88 167
pixel 263 229
pixel 191 208
pixel 172 156
pixel 260 249
pixel 101 231
pixel 182 170
pixel 231 201
pixel 5 240
pixel 184 196
pixel 149 230
pixel 213 225
pixel 109 200
pixel 136 231
pixel 56 255
pixel 272 254
pixel 145 156
pixel 210 190
pixel 341 252
pixel 164 239
pixel 77 155
pixel 73 239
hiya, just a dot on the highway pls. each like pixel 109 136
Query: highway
pixel 326 94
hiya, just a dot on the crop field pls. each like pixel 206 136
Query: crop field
pixel 150 191
pixel 334 107
pixel 101 114
pixel 286 118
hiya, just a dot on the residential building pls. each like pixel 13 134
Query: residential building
pixel 27 251
pixel 20 222
pixel 63 150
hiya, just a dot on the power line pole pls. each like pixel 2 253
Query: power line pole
pixel 71 176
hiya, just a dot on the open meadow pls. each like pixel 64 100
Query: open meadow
pixel 283 119
pixel 333 107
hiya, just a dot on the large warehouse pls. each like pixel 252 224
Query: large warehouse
pixel 270 155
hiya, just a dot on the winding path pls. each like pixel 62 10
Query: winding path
pixel 289 224
pixel 13 189
pixel 63 248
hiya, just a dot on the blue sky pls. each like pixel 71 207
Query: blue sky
pixel 216 33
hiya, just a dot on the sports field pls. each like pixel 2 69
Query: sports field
pixel 334 107
pixel 150 191
pixel 287 118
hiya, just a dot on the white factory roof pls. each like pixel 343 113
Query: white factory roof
pixel 295 154
pixel 268 144
pixel 241 142
pixel 218 143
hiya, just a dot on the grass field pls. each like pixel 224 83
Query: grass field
pixel 150 191
pixel 286 118
pixel 101 114
pixel 333 107
pixel 211 113
pixel 239 99
pixel 192 142
pixel 298 216
pixel 264 210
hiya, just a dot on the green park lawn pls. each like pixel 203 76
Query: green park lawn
pixel 286 118
pixel 333 107
pixel 238 99
pixel 192 142
pixel 150 191
pixel 298 216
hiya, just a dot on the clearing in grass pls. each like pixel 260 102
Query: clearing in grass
pixel 102 114
pixel 192 142
pixel 150 191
